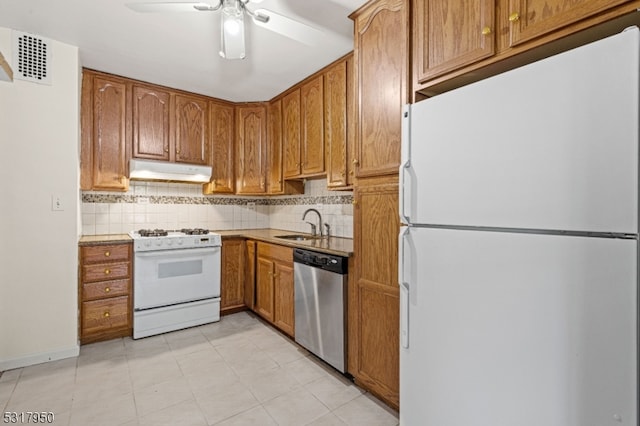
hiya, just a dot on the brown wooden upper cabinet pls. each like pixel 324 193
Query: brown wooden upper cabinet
pixel 169 126
pixel 381 58
pixel 339 123
pixel 291 134
pixel 105 139
pixel 251 149
pixel 303 130
pixel 151 137
pixel 530 19
pixel 453 38
pixel 191 118
pixel 222 137
pixel 452 34
pixel 312 127
pixel 275 183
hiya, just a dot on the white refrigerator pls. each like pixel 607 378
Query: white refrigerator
pixel 519 259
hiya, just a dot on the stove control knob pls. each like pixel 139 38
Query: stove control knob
pixel 180 241
pixel 147 243
pixel 170 242
pixel 158 242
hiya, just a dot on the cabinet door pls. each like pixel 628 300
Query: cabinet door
pixel 251 133
pixel 312 127
pixel 449 35
pixel 335 124
pixel 381 55
pixel 150 123
pixel 374 301
pixel 533 18
pixel 264 288
pixel 250 275
pixel 274 136
pixel 109 134
pixel 291 134
pixel 191 130
pixel 284 316
pixel 222 149
pixel 232 274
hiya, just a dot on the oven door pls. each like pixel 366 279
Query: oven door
pixel 168 277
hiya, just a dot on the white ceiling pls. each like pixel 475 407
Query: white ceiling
pixel 180 50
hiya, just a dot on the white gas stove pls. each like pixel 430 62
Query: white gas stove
pixel 176 279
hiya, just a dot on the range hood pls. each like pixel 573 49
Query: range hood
pixel 175 172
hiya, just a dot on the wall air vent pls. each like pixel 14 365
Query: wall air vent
pixel 31 58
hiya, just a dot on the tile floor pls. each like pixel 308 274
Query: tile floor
pixel 238 371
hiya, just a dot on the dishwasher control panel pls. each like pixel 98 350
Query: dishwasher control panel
pixel 329 262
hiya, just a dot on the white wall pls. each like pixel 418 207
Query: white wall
pixel 39 133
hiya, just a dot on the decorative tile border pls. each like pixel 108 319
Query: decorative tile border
pixel 92 197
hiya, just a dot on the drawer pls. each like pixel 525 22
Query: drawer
pixel 274 251
pixel 102 289
pixel 105 271
pixel 106 253
pixel 104 315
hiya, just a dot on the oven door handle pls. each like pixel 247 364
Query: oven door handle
pixel 177 252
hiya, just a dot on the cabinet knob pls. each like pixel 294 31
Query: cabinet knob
pixel 514 17
pixel 486 31
pixel 107 253
pixel 106 314
pixel 177 151
pixel 107 289
pixel 355 161
pixel 354 202
pixel 166 149
pixel 107 271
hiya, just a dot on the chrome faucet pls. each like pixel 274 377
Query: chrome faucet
pixel 313 227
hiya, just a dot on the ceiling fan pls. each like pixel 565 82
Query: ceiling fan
pixel 232 22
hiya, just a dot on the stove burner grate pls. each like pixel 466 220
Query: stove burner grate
pixel 153 232
pixel 195 231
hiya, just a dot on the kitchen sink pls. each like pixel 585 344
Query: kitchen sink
pixel 297 237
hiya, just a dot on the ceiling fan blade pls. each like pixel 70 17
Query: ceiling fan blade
pixel 172 7
pixel 289 27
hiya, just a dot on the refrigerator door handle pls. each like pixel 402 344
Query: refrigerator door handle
pixel 406 164
pixel 404 291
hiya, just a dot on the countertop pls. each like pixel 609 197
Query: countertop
pixel 104 239
pixel 333 245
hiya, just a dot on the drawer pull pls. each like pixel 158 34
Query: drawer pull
pixel 107 290
pixel 107 314
pixel 107 271
pixel 514 17
pixel 486 31
pixel 107 253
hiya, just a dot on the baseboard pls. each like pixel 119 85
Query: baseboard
pixel 39 358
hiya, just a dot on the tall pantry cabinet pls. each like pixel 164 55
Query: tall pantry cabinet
pixel 381 58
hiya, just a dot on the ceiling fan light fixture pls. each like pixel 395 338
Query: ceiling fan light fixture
pixel 232 30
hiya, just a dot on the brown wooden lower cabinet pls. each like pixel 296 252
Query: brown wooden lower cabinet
pixel 232 275
pixel 373 296
pixel 274 285
pixel 104 292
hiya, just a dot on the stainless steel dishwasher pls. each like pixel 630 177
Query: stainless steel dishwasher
pixel 320 283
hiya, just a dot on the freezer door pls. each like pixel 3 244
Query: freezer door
pixel 518 329
pixel 552 145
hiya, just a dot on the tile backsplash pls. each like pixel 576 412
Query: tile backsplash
pixel 178 205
